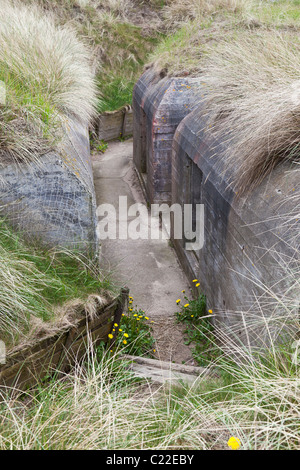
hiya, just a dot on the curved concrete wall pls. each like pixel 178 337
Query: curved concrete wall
pixel 54 201
pixel 249 244
pixel 159 105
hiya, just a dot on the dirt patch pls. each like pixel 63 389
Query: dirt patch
pixel 170 346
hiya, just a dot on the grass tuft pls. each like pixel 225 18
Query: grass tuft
pixel 101 405
pixel 253 90
pixel 46 72
pixel 35 282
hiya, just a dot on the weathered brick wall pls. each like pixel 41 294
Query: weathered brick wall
pixel 54 200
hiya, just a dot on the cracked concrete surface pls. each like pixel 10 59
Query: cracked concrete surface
pixel 148 267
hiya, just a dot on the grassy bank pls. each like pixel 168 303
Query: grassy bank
pixel 120 34
pixel 246 53
pixel 36 282
pixel 102 406
pixel 46 74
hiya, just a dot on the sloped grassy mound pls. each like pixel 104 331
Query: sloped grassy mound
pixel 247 54
pixel 120 33
pixel 46 73
pixel 35 282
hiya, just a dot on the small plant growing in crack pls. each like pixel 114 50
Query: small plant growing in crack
pixel 199 329
pixel 134 333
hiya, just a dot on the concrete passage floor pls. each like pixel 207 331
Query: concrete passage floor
pixel 148 267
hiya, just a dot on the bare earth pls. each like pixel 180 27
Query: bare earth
pixel 148 267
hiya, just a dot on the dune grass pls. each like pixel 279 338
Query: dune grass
pixel 46 73
pixel 260 108
pixel 119 36
pixel 247 57
pixel 102 406
pixel 34 282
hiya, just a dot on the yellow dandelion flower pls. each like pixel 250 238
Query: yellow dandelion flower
pixel 210 311
pixel 195 280
pixel 192 316
pixel 126 335
pixel 135 315
pixel 116 325
pixel 110 336
pixel 130 310
pixel 178 300
pixel 234 443
pixel 198 284
pixel 123 314
pixel 183 291
pixel 124 342
pixel 130 302
pixel 114 330
pixel 186 305
pixel 120 329
pixel 154 350
pixel 146 318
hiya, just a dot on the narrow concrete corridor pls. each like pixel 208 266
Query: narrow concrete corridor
pixel 148 267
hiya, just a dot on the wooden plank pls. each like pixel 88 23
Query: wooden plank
pixel 110 125
pixel 162 376
pixel 166 372
pixel 46 362
pixel 127 128
pixel 34 362
pixel 163 365
pixel 26 365
pixel 78 350
pixel 115 124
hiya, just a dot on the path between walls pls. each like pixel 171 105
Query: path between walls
pixel 148 267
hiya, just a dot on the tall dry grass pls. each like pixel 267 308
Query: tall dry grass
pixel 247 56
pixel 253 98
pixel 101 405
pixel 42 288
pixel 47 74
pixel 179 12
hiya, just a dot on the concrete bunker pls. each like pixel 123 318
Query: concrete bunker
pixel 249 245
pixel 53 200
pixel 159 105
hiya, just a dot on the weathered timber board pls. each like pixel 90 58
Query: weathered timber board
pixel 25 366
pixel 167 372
pixel 115 124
